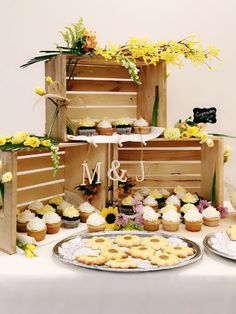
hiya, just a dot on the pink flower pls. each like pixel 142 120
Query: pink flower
pixel 121 219
pixel 139 209
pixel 223 211
pixel 138 220
pixel 203 204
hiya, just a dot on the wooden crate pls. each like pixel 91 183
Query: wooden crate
pixel 33 180
pixel 170 163
pixel 98 88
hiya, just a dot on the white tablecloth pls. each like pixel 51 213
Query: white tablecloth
pixel 45 285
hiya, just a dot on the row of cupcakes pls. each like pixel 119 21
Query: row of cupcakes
pixel 89 127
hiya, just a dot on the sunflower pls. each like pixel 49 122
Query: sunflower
pixel 110 214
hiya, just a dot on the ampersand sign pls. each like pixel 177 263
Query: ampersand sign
pixel 118 175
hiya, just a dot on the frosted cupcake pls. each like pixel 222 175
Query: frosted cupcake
pixel 146 209
pixel 96 223
pixel 193 220
pixel 53 222
pixel 127 206
pixel 171 220
pixel 151 220
pixel 70 217
pixel 44 210
pixel 123 126
pixel 168 207
pixel 36 228
pixel 141 126
pixel 144 191
pixel 189 198
pixel 22 219
pixel 86 209
pixel 138 196
pixel 211 217
pixel 185 208
pixel 165 193
pixel 87 127
pixel 34 206
pixel 55 201
pixel 180 189
pixel 62 206
pixel 150 201
pixel 104 127
pixel 173 200
pixel 159 197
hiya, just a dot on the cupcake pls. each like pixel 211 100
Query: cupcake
pixel 171 220
pixel 70 217
pixel 127 206
pixel 173 200
pixel 186 207
pixel 23 218
pixel 87 127
pixel 96 223
pixel 150 201
pixel 53 222
pixel 86 209
pixel 33 207
pixel 62 206
pixel 193 220
pixel 211 217
pixel 55 201
pixel 165 193
pixel 138 196
pixel 104 127
pixel 144 191
pixel 37 229
pixel 159 197
pixel 168 207
pixel 151 220
pixel 189 198
pixel 180 189
pixel 45 209
pixel 141 126
pixel 123 126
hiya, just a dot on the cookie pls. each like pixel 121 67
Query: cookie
pixel 179 250
pixel 155 242
pixel 113 253
pixel 124 263
pixel 98 243
pixel 127 240
pixel 231 232
pixel 164 260
pixel 91 259
pixel 141 252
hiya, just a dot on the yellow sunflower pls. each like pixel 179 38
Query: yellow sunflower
pixel 110 214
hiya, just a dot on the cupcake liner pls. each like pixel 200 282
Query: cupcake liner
pixel 37 235
pixel 151 225
pixel 21 226
pixel 87 132
pixel 92 228
pixel 126 130
pixel 84 216
pixel 105 131
pixel 193 226
pixel 70 224
pixel 211 222
pixel 170 226
pixel 53 228
pixel 142 129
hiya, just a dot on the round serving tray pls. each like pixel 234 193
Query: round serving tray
pixel 67 249
pixel 219 244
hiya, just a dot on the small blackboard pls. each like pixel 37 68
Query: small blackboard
pixel 204 115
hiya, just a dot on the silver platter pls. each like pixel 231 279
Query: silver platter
pixel 66 250
pixel 220 244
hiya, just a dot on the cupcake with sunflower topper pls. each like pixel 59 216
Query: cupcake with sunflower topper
pixel 87 127
pixel 141 126
pixel 127 205
pixel 110 214
pixel 104 127
pixel 123 126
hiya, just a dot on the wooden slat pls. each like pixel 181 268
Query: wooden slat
pixel 38 177
pixel 160 155
pixel 35 152
pixel 102 100
pixel 97 60
pixel 157 183
pixel 40 192
pixel 101 86
pixel 161 142
pixel 190 189
pixel 101 71
pixel 36 163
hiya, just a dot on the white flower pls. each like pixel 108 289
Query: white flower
pixel 7 177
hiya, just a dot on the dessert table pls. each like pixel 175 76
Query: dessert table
pixel 45 285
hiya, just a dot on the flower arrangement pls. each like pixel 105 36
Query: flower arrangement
pixel 123 222
pixel 80 41
pixel 89 190
pixel 125 188
pixel 203 204
pixel 5 178
pixel 27 248
pixel 110 214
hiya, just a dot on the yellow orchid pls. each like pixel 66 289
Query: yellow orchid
pixel 49 80
pixel 19 137
pixel 6 177
pixel 193 131
pixel 40 91
pixel 227 153
pixel 32 141
pixel 172 133
pixel 46 143
pixel 2 140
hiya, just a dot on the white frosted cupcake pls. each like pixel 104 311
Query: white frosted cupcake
pixel 62 206
pixel 86 209
pixel 104 127
pixel 165 192
pixel 138 196
pixel 168 207
pixel 151 220
pixel 189 198
pixel 173 200
pixel 53 222
pixel 96 223
pixel 150 201
pixel 180 189
pixel 141 126
pixel 22 219
pixel 34 206
pixel 36 228
pixel 186 207
pixel 193 220
pixel 211 217
pixel 171 220
pixel 70 217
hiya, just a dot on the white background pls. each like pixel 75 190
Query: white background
pixel 29 26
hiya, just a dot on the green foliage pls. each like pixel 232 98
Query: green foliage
pixel 155 111
pixel 74 33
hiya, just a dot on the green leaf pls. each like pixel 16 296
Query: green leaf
pixel 221 134
pixel 2 192
pixel 155 111
pixel 213 190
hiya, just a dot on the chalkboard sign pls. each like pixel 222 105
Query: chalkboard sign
pixel 204 115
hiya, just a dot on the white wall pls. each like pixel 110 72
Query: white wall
pixel 27 26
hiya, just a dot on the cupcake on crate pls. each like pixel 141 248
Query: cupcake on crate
pixel 150 201
pixel 53 222
pixel 55 201
pixel 211 217
pixel 104 127
pixel 86 209
pixel 189 198
pixel 123 126
pixel 34 206
pixel 171 220
pixel 45 209
pixel 159 197
pixel 70 217
pixel 173 200
pixel 96 223
pixel 87 127
pixel 62 206
pixel 22 219
pixel 151 220
pixel 186 207
pixel 126 206
pixel 193 220
pixel 166 208
pixel 37 229
pixel 141 126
